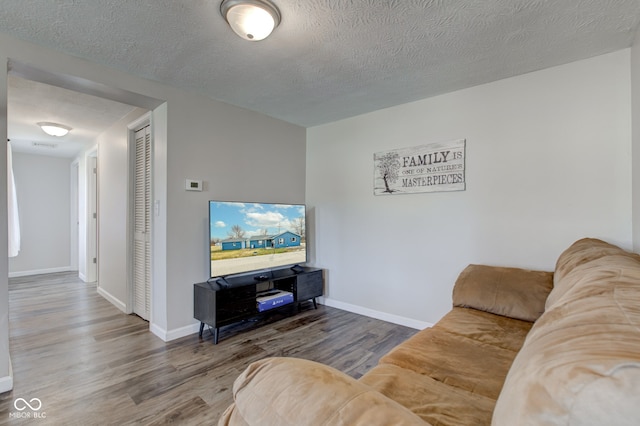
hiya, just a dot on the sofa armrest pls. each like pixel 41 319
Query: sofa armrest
pixel 290 391
pixel 511 292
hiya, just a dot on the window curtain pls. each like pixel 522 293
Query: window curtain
pixel 12 204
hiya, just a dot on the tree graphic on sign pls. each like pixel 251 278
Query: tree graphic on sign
pixel 388 166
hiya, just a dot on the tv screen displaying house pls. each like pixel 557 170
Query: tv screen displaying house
pixel 245 237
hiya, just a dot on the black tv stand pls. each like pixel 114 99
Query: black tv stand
pixel 232 299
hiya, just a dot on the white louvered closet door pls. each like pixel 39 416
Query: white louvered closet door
pixel 142 224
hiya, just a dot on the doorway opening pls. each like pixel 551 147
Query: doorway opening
pixel 84 185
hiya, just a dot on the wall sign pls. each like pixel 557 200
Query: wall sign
pixel 427 168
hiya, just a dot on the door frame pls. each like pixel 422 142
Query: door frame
pixel 93 197
pixel 74 250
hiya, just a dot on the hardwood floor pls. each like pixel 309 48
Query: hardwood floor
pixel 88 363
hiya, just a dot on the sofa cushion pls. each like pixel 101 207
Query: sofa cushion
pixel 583 276
pixel 511 292
pixel 231 416
pixel 462 353
pixel 484 327
pixel 435 402
pixel 581 252
pixel 580 363
pixel 290 391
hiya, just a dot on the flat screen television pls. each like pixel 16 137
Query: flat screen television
pixel 248 237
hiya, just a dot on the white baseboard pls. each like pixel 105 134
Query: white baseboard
pixel 6 383
pixel 175 333
pixel 395 319
pixel 40 271
pixel 112 299
pixel 158 331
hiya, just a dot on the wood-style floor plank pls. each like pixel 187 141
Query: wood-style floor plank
pixel 91 364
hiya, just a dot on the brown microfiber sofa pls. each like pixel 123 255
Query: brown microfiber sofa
pixel 519 347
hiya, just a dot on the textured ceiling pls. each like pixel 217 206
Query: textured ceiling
pixel 328 59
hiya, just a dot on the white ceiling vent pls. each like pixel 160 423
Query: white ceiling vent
pixel 47 145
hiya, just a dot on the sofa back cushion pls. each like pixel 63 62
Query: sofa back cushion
pixel 580 363
pixel 581 252
pixel 510 292
pixel 582 261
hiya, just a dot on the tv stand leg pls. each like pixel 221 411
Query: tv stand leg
pixel 215 335
pixel 315 305
pixel 201 329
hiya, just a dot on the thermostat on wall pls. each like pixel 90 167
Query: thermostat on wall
pixel 193 185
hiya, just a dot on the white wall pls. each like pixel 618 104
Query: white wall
pixel 548 162
pixel 44 205
pixel 635 93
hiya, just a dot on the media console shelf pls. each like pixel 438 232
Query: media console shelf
pixel 220 303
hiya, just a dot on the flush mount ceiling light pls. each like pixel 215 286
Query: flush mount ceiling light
pixel 54 129
pixel 251 19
